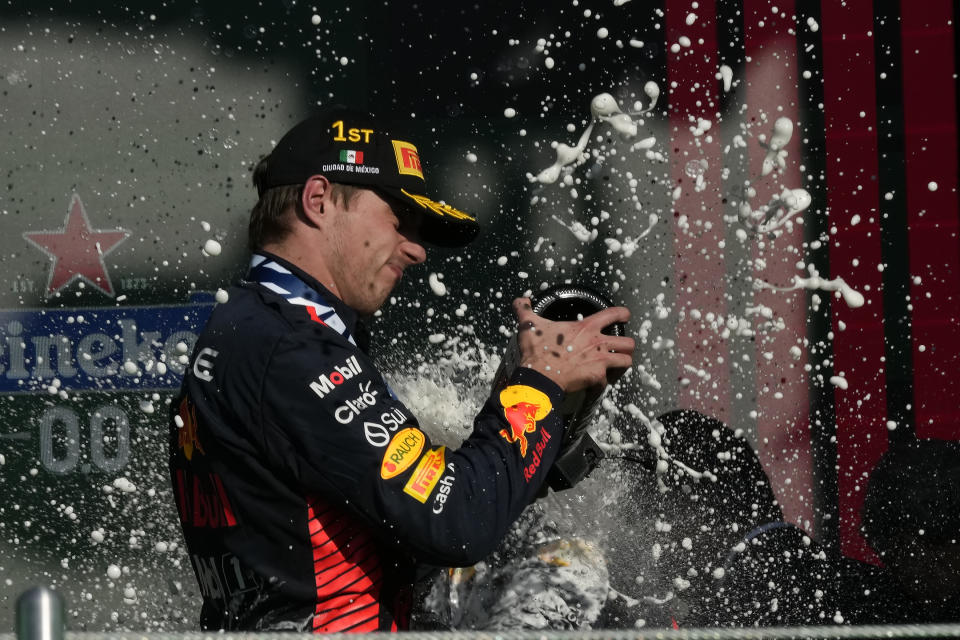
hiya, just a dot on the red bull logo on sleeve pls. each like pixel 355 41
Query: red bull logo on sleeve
pixel 187 436
pixel 523 408
pixel 530 470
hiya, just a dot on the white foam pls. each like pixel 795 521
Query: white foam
pixel 725 73
pixel 438 288
pixel 212 247
pixel 854 299
pixel 776 154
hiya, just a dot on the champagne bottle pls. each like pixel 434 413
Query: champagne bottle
pixel 579 453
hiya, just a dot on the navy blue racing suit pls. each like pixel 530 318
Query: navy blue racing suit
pixel 306 490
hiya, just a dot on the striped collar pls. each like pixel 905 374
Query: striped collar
pixel 284 279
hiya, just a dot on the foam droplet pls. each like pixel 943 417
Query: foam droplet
pixel 854 299
pixel 726 74
pixel 212 247
pixel 436 286
pixel 604 104
pixel 652 90
pixel 839 382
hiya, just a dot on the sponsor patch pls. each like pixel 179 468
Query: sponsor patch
pixel 531 469
pixel 523 407
pixel 378 434
pixel 425 476
pixel 443 491
pixel 403 451
pixel 203 365
pixel 327 382
pixel 203 500
pixel 346 412
pixel 187 433
pixel 408 160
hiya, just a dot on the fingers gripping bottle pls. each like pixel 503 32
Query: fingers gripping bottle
pixel 579 453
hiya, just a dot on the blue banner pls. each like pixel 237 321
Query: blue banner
pixel 98 348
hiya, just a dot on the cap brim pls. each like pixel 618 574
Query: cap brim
pixel 443 225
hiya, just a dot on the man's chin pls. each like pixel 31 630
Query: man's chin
pixel 374 303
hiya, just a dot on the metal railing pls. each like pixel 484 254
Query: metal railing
pixel 40 616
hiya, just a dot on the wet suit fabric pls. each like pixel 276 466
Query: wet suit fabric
pixel 305 489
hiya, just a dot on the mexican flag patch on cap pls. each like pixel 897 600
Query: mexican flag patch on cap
pixel 351 157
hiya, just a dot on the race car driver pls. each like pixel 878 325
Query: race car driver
pixel 305 489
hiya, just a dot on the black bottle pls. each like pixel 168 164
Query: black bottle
pixel 579 453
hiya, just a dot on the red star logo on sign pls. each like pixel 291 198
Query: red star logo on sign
pixel 77 251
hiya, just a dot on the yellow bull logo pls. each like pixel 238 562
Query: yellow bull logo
pixel 523 407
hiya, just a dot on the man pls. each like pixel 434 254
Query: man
pixel 305 489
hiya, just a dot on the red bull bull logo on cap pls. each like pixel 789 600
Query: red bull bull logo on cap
pixel 523 407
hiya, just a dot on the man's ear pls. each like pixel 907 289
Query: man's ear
pixel 315 198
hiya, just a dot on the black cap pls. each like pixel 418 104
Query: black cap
pixel 352 147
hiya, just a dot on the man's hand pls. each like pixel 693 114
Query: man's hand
pixel 575 355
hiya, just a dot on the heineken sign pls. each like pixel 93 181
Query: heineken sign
pixel 98 349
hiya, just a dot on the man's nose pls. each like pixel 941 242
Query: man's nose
pixel 413 250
